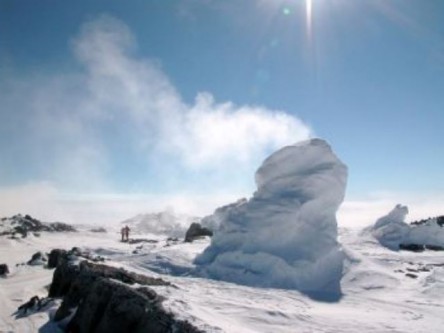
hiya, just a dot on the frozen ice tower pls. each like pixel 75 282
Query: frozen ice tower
pixel 285 236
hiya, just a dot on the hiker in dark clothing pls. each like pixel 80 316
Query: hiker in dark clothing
pixel 126 233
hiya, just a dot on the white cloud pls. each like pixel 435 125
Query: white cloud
pixel 65 128
pixel 213 133
pixel 204 134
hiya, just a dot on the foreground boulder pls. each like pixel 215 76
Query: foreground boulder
pixel 285 236
pixel 196 231
pixel 104 301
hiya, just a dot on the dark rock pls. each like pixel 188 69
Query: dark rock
pixel 434 248
pixel 424 269
pixel 439 220
pixel 412 247
pixel 61 227
pixel 29 305
pixel 56 257
pixel 196 231
pixel 142 240
pixel 112 307
pixel 37 258
pixel 420 247
pixel 104 305
pixel 411 275
pixel 63 278
pixel 4 270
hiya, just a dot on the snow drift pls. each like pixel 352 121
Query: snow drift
pixel 285 236
pixel 392 232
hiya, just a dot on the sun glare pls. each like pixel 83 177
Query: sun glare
pixel 309 7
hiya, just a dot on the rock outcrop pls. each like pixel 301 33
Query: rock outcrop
pixel 23 225
pixel 105 299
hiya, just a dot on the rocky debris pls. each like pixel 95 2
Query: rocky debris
pixel 23 225
pixel 4 270
pixel 420 247
pixel 106 303
pixel 38 258
pixel 57 256
pixel 434 247
pixel 34 303
pixel 412 247
pixel 142 240
pixel 416 269
pixel 439 221
pixel 196 231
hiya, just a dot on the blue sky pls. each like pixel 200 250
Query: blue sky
pixel 171 99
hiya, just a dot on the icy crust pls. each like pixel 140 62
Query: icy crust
pixel 391 230
pixel 285 236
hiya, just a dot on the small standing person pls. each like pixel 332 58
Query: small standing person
pixel 127 230
pixel 122 232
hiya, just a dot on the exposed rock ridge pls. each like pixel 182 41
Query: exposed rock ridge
pixel 106 303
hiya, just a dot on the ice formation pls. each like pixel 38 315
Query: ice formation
pixel 392 232
pixel 285 236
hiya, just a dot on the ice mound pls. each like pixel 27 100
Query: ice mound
pixel 392 232
pixel 285 236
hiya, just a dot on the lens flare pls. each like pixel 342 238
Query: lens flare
pixel 309 14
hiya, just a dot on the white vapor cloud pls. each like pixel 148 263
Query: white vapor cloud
pixel 74 131
pixel 201 135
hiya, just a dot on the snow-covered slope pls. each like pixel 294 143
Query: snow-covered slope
pixel 162 223
pixel 383 290
pixel 285 235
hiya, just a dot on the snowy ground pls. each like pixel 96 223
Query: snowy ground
pixel 378 296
